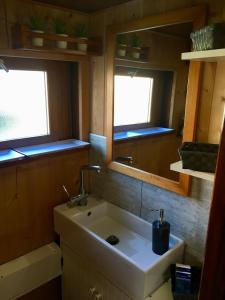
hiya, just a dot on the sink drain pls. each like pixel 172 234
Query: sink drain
pixel 112 240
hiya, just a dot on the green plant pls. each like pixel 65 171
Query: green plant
pixel 135 41
pixel 121 39
pixel 60 26
pixel 36 23
pixel 81 31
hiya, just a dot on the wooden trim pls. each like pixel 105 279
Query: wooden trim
pixel 196 15
pixel 191 109
pixel 84 100
pixel 43 54
pixel 213 277
pixel 148 177
pixel 147 136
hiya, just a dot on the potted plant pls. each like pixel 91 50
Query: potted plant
pixel 82 33
pixel 36 24
pixel 122 44
pixel 61 30
pixel 136 45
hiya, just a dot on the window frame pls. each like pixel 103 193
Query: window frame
pixel 138 125
pixel 56 134
pixel 37 137
pixel 158 78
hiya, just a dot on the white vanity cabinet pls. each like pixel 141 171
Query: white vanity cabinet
pixel 80 280
pixel 129 270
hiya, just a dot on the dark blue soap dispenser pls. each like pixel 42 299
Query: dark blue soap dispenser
pixel 160 234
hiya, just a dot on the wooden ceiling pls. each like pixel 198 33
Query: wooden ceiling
pixel 86 6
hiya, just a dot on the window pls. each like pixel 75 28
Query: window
pixel 38 102
pixel 23 104
pixel 132 100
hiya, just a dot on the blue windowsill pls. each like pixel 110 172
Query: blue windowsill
pixel 9 155
pixel 37 150
pixel 133 134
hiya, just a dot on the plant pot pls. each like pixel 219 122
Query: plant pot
pixel 136 53
pixel 62 44
pixel 82 46
pixel 38 41
pixel 121 51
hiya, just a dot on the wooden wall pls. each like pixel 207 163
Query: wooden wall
pixel 144 149
pixel 29 190
pixel 211 108
pixel 157 60
pixel 28 193
pixel 13 11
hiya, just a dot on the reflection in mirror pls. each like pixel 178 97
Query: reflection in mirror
pixel 149 98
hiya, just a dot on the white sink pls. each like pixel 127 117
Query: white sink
pixel 131 265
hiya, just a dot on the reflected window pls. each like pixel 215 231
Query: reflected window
pixel 23 104
pixel 132 100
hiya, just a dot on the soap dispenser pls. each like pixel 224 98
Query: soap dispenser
pixel 160 234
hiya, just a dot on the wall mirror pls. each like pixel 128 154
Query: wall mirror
pixel 152 96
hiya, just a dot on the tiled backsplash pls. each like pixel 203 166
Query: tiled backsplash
pixel 188 216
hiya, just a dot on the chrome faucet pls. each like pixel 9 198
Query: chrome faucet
pixel 126 159
pixel 81 199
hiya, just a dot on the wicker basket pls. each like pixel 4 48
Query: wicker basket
pixel 199 156
pixel 209 37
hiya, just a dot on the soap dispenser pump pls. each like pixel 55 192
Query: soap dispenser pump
pixel 160 234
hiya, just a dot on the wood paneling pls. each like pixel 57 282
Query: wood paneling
pixel 205 103
pixel 21 10
pixel 84 100
pixel 137 9
pixel 153 154
pixel 218 105
pixel 85 5
pixel 97 105
pixel 29 191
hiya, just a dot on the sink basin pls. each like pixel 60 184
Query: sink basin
pixel 130 262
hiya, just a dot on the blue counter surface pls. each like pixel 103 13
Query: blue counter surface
pixel 130 134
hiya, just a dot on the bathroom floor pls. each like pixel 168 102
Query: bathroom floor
pixel 163 293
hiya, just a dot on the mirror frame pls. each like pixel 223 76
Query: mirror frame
pixel 196 15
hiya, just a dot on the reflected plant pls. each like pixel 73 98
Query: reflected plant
pixel 60 26
pixel 36 22
pixel 81 31
pixel 121 39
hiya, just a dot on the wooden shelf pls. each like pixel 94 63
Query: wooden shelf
pixel 22 41
pixel 75 56
pixel 207 55
pixel 118 60
pixel 144 54
pixel 177 167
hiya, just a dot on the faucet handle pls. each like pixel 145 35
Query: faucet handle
pixel 127 159
pixel 65 190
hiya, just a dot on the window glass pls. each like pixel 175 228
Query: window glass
pixel 23 104
pixel 132 100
